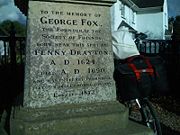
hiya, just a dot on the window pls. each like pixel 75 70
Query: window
pixel 133 17
pixel 122 9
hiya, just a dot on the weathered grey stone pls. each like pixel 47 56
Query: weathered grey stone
pixel 2 131
pixel 69 87
pixel 3 118
pixel 80 119
pixel 108 118
pixel 2 123
pixel 69 54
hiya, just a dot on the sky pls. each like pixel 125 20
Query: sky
pixel 10 12
pixel 173 7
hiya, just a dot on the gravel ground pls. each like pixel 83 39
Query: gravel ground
pixel 168 111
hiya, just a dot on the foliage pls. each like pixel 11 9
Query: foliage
pixel 20 29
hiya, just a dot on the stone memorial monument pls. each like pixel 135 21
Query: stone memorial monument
pixel 69 87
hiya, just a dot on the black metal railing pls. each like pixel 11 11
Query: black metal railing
pixel 12 56
pixel 12 50
pixel 169 50
pixel 155 46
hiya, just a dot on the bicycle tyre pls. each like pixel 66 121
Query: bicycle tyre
pixel 150 117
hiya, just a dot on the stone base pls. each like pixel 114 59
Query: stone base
pixel 4 125
pixel 2 130
pixel 108 118
pixel 83 119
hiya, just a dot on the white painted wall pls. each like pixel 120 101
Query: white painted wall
pixel 116 14
pixel 151 24
pixel 154 24
pixel 165 17
pixel 117 18
pixel 165 7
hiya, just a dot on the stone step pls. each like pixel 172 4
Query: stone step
pixel 2 131
pixel 81 119
pixel 131 129
pixel 96 119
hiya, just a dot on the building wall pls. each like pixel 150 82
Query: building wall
pixel 154 24
pixel 165 17
pixel 116 14
pixel 165 10
pixel 151 24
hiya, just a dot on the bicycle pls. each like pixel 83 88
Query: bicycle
pixel 135 96
pixel 141 111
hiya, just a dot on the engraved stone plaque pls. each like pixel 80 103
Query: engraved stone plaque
pixel 68 55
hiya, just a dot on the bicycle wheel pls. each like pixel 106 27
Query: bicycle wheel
pixel 150 117
pixel 142 112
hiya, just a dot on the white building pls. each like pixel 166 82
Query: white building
pixel 146 16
